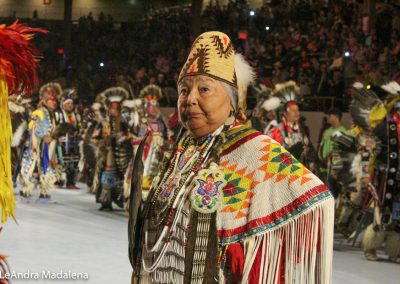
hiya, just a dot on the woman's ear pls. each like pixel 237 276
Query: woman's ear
pixel 231 119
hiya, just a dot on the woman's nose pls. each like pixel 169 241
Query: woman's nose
pixel 192 97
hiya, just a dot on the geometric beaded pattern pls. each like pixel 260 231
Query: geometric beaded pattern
pixel 266 186
pixel 237 193
pixel 279 164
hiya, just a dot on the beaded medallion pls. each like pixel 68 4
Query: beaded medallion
pixel 168 187
pixel 206 194
pixel 186 156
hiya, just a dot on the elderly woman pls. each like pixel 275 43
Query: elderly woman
pixel 229 205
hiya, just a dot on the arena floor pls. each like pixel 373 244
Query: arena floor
pixel 72 236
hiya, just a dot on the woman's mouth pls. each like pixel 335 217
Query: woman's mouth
pixel 193 115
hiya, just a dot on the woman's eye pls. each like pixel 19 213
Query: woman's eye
pixel 204 90
pixel 184 92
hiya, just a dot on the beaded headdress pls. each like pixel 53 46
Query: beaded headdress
pixel 114 96
pixel 212 54
pixel 151 94
pixel 50 90
pixel 282 96
pixel 68 96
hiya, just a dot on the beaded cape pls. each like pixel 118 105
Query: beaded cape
pixel 273 206
pixel 266 186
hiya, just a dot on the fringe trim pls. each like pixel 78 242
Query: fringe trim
pixel 301 251
pixel 7 201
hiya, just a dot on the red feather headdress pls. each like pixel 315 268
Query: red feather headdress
pixel 18 57
pixel 18 61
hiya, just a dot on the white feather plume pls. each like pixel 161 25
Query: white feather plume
pixel 15 107
pixel 26 101
pixel 392 88
pixel 81 163
pixel 115 99
pixel 281 86
pixel 132 103
pixel 245 75
pixel 96 106
pixel 260 89
pixel 18 133
pixel 115 94
pixel 356 165
pixel 271 104
pixel 136 119
pixel 286 92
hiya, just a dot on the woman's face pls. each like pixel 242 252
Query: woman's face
pixel 203 104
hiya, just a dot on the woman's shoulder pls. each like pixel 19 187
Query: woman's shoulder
pixel 245 138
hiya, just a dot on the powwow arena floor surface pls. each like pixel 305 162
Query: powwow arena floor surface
pixel 72 236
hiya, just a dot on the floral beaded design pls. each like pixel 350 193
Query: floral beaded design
pixel 206 194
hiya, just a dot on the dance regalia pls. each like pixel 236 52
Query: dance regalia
pixel 386 193
pixel 95 154
pixel 351 160
pixel 156 132
pixel 68 143
pixel 292 138
pixel 291 135
pixel 154 129
pixel 352 164
pixel 387 167
pixel 211 211
pixel 341 158
pixel 376 166
pixel 123 152
pixel 20 114
pixel 91 148
pixel 118 150
pixel 40 155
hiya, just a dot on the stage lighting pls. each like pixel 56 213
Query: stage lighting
pixel 101 64
pixel 267 28
pixel 252 13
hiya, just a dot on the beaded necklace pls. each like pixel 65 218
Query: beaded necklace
pixel 171 211
pixel 176 176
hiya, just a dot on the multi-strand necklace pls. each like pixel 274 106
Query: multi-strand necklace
pixel 169 197
pixel 188 158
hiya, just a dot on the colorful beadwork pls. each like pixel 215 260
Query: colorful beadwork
pixel 206 194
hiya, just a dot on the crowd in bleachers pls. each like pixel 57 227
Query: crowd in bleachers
pixel 323 48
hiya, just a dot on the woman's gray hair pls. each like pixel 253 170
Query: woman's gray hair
pixel 233 94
